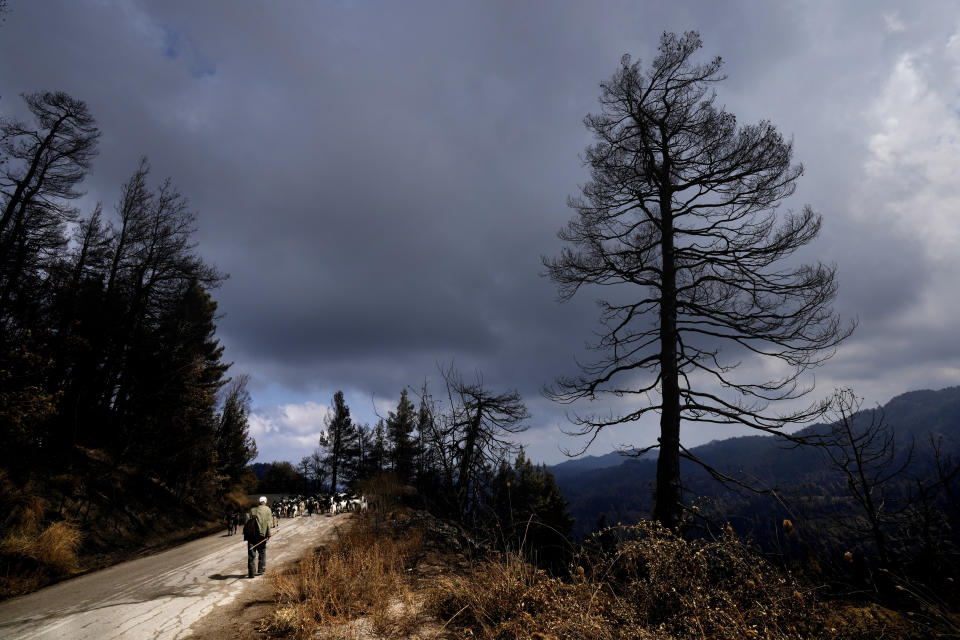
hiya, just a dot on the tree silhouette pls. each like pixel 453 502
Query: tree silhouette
pixel 680 218
pixel 863 448
pixel 531 512
pixel 338 441
pixel 41 165
pixel 235 448
pixel 480 424
pixel 400 425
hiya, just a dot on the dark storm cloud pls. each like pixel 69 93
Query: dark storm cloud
pixel 380 181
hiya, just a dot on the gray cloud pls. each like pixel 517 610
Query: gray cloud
pixel 380 180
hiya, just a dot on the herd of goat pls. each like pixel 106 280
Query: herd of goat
pixel 293 506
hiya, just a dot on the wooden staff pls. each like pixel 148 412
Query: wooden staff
pixel 259 543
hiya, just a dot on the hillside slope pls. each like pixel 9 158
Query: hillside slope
pixel 92 514
pixel 622 491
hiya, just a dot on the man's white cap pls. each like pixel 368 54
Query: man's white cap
pixel 263 499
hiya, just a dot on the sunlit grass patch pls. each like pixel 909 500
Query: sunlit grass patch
pixel 359 578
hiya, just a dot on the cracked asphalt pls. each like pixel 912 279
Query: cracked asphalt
pixel 158 597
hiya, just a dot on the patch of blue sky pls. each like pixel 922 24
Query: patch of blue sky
pixel 274 395
pixel 182 48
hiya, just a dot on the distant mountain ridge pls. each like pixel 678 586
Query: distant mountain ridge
pixel 620 489
pixel 576 466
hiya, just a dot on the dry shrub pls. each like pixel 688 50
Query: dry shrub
pixel 358 577
pixel 25 510
pixel 57 547
pixel 237 500
pixel 511 598
pixel 54 550
pixel 645 582
pixel 696 589
pixel 17 543
pixel 33 553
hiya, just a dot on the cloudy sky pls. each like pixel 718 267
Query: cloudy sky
pixel 380 179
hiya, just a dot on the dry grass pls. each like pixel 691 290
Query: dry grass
pixel 56 547
pixel 646 583
pixel 32 551
pixel 641 582
pixel 356 585
pixel 512 599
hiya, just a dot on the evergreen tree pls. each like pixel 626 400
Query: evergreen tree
pixel 281 477
pixel 144 283
pixel 175 380
pixel 425 463
pixel 235 448
pixel 339 442
pixel 400 426
pixel 532 513
pixel 108 341
pixel 366 464
pixel 378 449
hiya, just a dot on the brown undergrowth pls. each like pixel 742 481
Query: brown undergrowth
pixel 92 514
pixel 357 587
pixel 645 582
pixel 33 551
pixel 640 581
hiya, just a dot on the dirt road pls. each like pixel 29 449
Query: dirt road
pixel 161 596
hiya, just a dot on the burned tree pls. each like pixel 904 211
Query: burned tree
pixel 482 423
pixel 680 219
pixel 862 447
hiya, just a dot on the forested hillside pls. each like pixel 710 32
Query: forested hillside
pixel 108 354
pixel 792 480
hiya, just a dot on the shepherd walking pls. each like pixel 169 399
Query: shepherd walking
pixel 257 536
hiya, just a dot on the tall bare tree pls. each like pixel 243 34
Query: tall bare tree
pixel 680 218
pixel 481 423
pixel 41 165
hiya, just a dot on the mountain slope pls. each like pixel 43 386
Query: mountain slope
pixel 622 491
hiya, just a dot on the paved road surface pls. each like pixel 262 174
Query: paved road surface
pixel 158 597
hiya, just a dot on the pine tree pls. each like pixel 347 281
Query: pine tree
pixel 681 218
pixel 366 464
pixel 175 377
pixel 234 445
pixel 40 167
pixel 400 426
pixel 378 450
pixel 338 442
pixel 531 512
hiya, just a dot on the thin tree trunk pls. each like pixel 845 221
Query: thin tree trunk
pixel 668 500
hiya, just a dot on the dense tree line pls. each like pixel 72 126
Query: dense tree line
pixel 106 321
pixel 456 458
